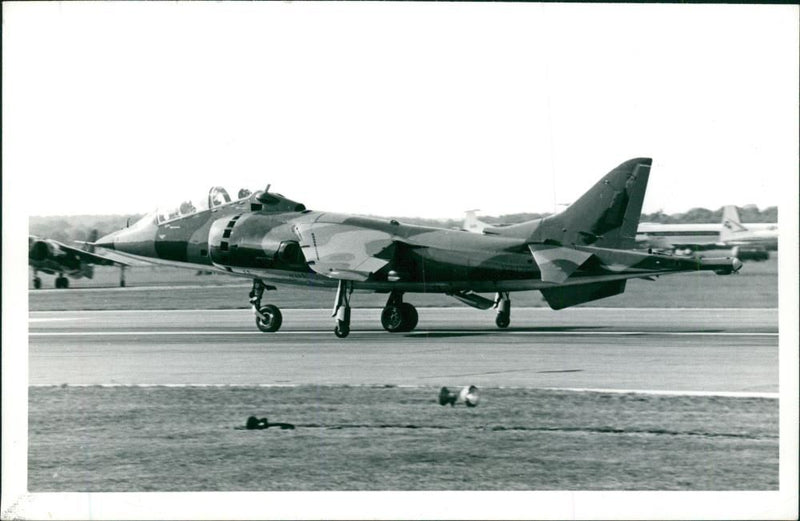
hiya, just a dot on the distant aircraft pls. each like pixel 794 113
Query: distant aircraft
pixel 579 255
pixel 471 222
pixel 747 242
pixel 474 225
pixel 56 258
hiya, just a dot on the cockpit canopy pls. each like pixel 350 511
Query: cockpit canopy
pixel 216 196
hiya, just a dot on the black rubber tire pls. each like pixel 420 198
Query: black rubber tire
pixel 502 320
pixel 62 282
pixel 410 316
pixel 37 283
pixel 274 321
pixel 393 319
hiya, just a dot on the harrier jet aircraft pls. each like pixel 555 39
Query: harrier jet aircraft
pixel 577 256
pixel 56 258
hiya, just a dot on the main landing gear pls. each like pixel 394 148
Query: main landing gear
pixel 398 316
pixel 268 317
pixel 62 282
pixel 503 304
pixel 37 281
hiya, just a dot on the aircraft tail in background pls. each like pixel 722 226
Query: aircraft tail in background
pixel 731 224
pixel 471 222
pixel 89 244
pixel 749 241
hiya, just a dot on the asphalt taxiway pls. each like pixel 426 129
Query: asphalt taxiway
pixel 716 351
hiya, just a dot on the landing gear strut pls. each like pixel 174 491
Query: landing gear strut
pixel 503 304
pixel 37 281
pixel 268 318
pixel 398 316
pixel 341 309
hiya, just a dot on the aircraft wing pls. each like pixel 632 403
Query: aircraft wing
pixel 343 251
pixel 93 258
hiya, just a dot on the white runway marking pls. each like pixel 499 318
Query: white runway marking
pixel 721 394
pixel 140 288
pixel 435 309
pixel 725 394
pixel 415 333
pixel 54 319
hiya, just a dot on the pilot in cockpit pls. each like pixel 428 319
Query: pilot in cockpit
pixel 218 196
pixel 187 208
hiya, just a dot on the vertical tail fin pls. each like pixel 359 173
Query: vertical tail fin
pixel 731 224
pixel 606 216
pixel 472 223
pixel 89 245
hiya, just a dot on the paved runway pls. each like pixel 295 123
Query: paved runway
pixel 679 351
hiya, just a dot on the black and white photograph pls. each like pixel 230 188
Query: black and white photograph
pixel 400 260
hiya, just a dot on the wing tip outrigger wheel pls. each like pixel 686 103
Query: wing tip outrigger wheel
pixel 503 304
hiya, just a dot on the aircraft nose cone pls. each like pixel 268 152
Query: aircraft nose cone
pixel 106 241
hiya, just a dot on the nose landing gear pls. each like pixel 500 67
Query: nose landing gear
pixel 268 317
pixel 503 304
pixel 398 316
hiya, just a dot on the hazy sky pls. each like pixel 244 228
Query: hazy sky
pixel 403 109
pixel 397 109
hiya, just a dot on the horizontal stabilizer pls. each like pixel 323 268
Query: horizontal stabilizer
pixel 566 296
pixel 557 263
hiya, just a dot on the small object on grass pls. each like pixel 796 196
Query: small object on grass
pixel 467 395
pixel 254 423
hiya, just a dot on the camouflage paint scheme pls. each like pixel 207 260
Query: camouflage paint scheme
pixel 579 255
